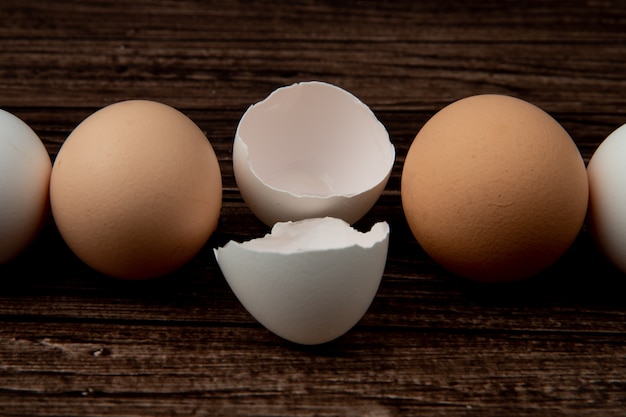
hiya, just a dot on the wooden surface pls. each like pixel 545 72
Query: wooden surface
pixel 75 343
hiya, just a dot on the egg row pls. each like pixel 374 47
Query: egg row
pixel 493 189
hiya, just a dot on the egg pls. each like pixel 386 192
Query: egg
pixel 311 149
pixel 607 197
pixel 308 281
pixel 136 190
pixel 494 189
pixel 24 178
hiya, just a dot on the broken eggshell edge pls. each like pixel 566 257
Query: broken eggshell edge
pixel 272 203
pixel 308 281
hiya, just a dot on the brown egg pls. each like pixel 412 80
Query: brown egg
pixel 136 190
pixel 494 189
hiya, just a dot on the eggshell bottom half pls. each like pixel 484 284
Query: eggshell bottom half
pixel 607 197
pixel 494 189
pixel 136 190
pixel 302 292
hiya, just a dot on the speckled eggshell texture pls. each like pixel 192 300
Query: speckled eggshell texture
pixel 136 190
pixel 494 188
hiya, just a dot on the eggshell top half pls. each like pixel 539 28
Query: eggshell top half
pixel 308 281
pixel 494 189
pixel 136 189
pixel 607 199
pixel 24 178
pixel 311 149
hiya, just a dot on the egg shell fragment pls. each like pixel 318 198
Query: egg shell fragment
pixel 310 150
pixel 494 189
pixel 136 190
pixel 308 281
pixel 25 168
pixel 607 197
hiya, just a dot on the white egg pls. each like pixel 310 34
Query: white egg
pixel 308 150
pixel 25 168
pixel 308 281
pixel 606 215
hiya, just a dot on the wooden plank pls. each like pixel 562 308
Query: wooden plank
pixel 75 343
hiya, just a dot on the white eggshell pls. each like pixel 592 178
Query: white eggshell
pixel 308 281
pixel 25 168
pixel 308 150
pixel 606 215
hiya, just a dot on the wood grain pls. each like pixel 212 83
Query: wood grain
pixel 75 343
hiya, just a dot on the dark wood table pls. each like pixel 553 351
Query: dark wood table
pixel 76 343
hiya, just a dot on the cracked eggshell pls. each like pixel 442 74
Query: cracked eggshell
pixel 308 281
pixel 310 150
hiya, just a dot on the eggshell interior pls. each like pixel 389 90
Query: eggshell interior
pixel 308 281
pixel 315 235
pixel 309 150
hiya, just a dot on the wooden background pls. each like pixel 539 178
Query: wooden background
pixel 75 343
